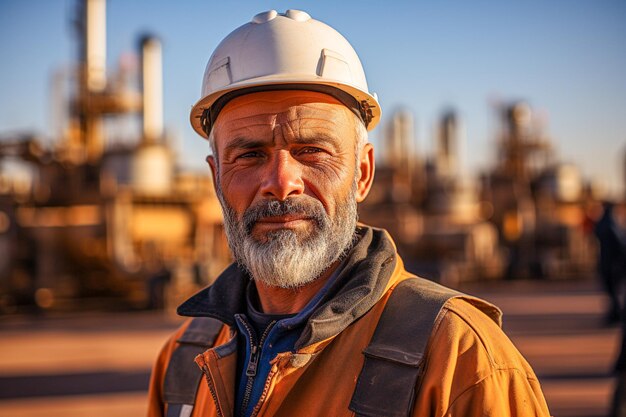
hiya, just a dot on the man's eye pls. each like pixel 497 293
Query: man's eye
pixel 248 155
pixel 311 149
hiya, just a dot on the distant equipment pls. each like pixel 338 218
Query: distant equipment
pixel 527 217
pixel 96 219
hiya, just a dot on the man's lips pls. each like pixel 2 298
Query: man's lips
pixel 285 221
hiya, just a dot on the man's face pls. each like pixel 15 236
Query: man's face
pixel 289 174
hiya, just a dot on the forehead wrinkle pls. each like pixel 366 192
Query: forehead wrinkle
pixel 249 120
pixel 242 126
pixel 233 130
pixel 315 110
pixel 297 115
pixel 317 122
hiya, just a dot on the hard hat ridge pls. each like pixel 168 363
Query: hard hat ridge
pixel 288 51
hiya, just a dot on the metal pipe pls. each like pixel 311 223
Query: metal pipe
pixel 447 145
pixel 152 84
pixel 95 34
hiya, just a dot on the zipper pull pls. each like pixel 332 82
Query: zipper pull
pixel 254 361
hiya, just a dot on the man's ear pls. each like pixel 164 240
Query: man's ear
pixel 366 172
pixel 212 164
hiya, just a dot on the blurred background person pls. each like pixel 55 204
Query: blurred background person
pixel 611 260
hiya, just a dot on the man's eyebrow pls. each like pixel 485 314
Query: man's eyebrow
pixel 317 138
pixel 243 143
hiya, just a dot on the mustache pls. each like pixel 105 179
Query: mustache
pixel 271 208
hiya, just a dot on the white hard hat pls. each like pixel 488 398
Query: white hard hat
pixel 289 51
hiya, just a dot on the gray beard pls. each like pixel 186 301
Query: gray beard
pixel 286 258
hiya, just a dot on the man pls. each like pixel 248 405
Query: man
pixel 318 317
pixel 611 260
pixel 611 267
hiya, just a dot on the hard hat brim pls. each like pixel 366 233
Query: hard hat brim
pixel 358 94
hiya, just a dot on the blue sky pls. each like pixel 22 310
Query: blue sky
pixel 567 58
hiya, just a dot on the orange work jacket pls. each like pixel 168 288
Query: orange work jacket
pixel 471 366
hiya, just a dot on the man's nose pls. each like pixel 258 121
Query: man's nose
pixel 282 177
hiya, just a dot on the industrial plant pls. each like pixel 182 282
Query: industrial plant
pixel 104 220
pixel 101 220
pixel 527 216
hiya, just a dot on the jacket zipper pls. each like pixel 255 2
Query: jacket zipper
pixel 266 388
pixel 209 381
pixel 253 362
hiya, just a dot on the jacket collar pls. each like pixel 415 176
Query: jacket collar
pixel 360 283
